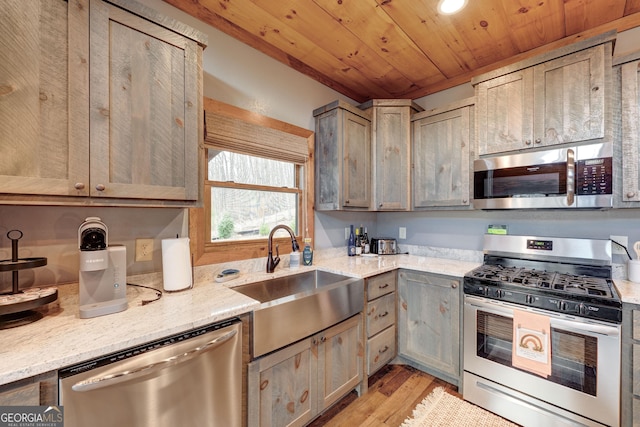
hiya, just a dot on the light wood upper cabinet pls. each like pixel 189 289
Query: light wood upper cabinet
pixel 43 126
pixel 391 151
pixel 103 99
pixel 441 153
pixel 145 106
pixel 505 112
pixel 343 157
pixel 627 154
pixel 556 98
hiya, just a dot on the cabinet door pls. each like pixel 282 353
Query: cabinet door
pixel 569 94
pixel 340 351
pixel 328 153
pixel 356 172
pixel 441 159
pixel 505 112
pixel 43 151
pixel 429 321
pixel 282 387
pixel 145 97
pixel 391 147
pixel 630 76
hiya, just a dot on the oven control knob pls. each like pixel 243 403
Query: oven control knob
pixel 499 293
pixel 583 310
pixel 562 305
pixel 529 299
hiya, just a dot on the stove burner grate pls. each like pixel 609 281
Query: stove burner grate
pixel 545 280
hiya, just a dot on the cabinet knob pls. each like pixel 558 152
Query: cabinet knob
pixel 100 187
pixel 79 186
pixel 323 339
pixel 631 194
pixel 538 140
pixel 454 285
pixel 527 142
pixel 346 202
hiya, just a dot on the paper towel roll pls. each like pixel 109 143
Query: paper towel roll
pixel 176 264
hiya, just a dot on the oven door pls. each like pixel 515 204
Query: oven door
pixel 585 367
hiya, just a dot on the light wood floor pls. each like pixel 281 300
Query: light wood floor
pixel 393 393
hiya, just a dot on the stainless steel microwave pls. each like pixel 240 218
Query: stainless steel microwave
pixel 574 177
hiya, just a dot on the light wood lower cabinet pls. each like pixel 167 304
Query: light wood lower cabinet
pixel 33 391
pixel 429 323
pixel 292 386
pixel 380 330
pixel 630 372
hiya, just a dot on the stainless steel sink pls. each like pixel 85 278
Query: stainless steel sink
pixel 297 306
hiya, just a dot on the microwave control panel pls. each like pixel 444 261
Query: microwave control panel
pixel 593 176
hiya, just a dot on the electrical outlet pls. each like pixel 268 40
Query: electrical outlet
pixel 616 249
pixel 402 233
pixel 144 250
pixel 347 230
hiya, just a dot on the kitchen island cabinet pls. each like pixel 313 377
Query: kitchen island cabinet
pixel 343 155
pixel 108 95
pixel 441 156
pixel 429 323
pixel 557 98
pixel 292 386
pixel 391 152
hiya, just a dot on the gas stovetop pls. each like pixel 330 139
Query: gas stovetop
pixel 542 276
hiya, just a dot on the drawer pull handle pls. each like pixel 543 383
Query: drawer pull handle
pixel 386 285
pixel 383 314
pixel 383 350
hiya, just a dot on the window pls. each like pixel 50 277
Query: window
pixel 259 174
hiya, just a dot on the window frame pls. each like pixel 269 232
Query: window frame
pixel 206 252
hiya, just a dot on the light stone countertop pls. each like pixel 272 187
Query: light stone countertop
pixel 629 291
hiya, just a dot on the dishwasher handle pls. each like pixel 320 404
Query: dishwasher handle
pixel 128 375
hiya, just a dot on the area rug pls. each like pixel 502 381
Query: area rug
pixel 442 409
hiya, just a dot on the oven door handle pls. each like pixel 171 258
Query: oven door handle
pixel 582 328
pixel 130 374
pixel 571 177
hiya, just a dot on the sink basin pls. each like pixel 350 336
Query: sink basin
pixel 297 306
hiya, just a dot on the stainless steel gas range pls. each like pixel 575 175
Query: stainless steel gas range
pixel 542 332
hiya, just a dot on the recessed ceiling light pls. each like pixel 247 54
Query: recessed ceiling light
pixel 449 7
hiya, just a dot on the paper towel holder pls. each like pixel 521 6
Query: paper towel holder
pixel 177 265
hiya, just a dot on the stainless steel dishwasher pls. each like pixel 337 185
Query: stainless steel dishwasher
pixel 189 379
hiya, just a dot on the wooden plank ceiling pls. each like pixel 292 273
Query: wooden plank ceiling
pixel 368 49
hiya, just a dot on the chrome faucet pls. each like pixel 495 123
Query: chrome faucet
pixel 271 262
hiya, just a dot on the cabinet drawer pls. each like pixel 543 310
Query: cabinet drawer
pixel 381 349
pixel 381 314
pixel 380 285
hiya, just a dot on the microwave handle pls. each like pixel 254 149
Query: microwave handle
pixel 571 177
